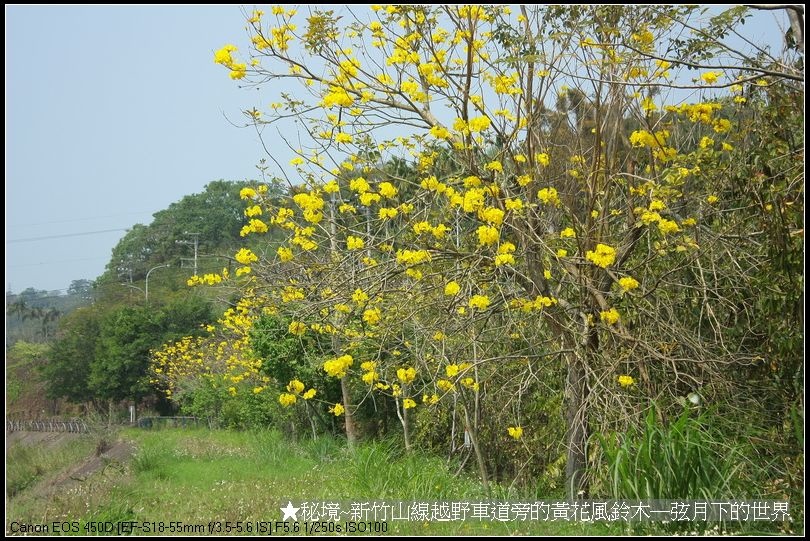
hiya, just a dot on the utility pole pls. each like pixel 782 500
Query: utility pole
pixel 195 242
pixel 146 286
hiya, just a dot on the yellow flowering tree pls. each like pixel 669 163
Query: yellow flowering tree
pixel 465 174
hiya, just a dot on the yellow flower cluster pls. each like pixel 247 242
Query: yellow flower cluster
pixel 372 316
pixel 338 367
pixel 337 410
pixel 643 138
pixel 412 257
pixel 406 375
pixel 488 235
pixel 297 328
pixel 505 256
pixel 515 432
pixel 609 317
pixel 223 357
pixel 527 305
pixel 628 282
pixel 549 196
pixel 479 302
pixel 245 256
pixel 603 256
pixel 253 226
pixel 626 381
pixel 354 243
pixel 224 57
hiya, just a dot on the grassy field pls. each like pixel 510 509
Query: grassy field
pixel 199 476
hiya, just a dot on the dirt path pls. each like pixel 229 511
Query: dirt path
pixel 112 455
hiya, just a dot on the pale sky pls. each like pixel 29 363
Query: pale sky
pixel 112 114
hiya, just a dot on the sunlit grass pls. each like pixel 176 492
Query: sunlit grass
pixel 199 476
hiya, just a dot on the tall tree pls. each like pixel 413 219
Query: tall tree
pixel 594 235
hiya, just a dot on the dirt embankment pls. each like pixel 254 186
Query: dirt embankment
pixel 105 454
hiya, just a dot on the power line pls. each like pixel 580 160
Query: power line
pixel 60 261
pixel 85 219
pixel 31 239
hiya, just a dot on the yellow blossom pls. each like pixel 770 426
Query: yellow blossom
pixel 287 399
pixel 609 317
pixel 491 215
pixel 368 365
pixel 549 196
pixel 710 77
pixel 247 193
pixel 337 367
pixel 668 226
pixel 388 190
pixel 372 316
pixel 359 185
pixel 628 282
pixel 359 296
pixel 297 328
pixel 406 375
pixel 368 199
pixel 439 132
pixel 245 256
pixel 603 256
pixel 513 204
pixel 494 165
pixel 515 432
pixel 626 381
pixel 479 124
pixel 285 254
pixel 354 243
pixel 504 259
pixel 337 410
pixel 487 235
pixel 543 159
pixel 481 302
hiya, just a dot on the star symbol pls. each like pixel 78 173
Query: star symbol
pixel 290 512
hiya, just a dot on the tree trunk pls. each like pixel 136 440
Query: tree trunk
pixel 576 412
pixel 351 431
pixel 479 455
pixel 576 420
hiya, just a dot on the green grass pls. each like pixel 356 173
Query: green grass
pixel 28 464
pixel 198 476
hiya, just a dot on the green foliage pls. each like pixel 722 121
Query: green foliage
pixel 215 215
pixel 128 335
pixel 284 355
pixel 105 354
pixel 122 356
pixel 28 352
pixel 66 373
pixel 22 361
pixel 193 475
pixel 27 464
pixel 679 460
